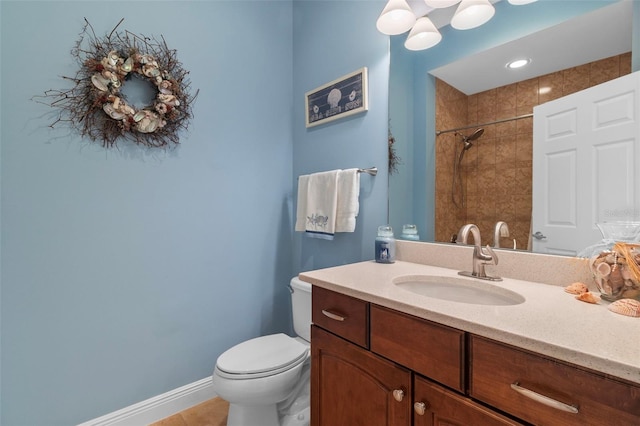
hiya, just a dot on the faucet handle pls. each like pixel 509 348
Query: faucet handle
pixel 492 255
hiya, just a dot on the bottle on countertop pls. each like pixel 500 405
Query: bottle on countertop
pixel 385 245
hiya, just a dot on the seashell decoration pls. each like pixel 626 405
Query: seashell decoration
pixel 113 112
pixel 96 108
pixel 576 288
pixel 588 297
pixel 139 116
pixel 100 82
pixel 127 66
pixel 113 58
pixel 628 307
pixel 113 75
pixel 617 272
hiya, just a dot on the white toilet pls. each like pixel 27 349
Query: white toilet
pixel 266 379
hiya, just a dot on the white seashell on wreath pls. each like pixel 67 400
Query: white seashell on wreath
pixel 100 82
pixel 113 112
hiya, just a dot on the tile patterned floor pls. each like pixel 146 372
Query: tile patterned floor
pixel 209 413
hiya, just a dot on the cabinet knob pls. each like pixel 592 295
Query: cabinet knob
pixel 398 395
pixel 420 408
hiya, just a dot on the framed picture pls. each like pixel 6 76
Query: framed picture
pixel 340 98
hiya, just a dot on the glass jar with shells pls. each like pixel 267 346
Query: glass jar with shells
pixel 616 272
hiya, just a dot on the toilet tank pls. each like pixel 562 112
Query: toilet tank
pixel 301 308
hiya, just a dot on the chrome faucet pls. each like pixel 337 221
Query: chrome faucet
pixel 480 257
pixel 501 229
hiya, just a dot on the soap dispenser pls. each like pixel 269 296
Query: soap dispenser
pixel 385 245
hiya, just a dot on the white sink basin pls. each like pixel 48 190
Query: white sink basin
pixel 471 291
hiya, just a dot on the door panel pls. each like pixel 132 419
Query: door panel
pixel 584 151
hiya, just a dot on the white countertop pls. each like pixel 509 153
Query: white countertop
pixel 550 321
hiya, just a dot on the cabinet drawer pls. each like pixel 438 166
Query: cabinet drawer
pixel 427 348
pixel 543 391
pixel 435 405
pixel 343 315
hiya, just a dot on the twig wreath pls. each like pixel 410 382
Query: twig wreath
pixel 95 105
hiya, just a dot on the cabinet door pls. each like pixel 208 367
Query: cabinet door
pixel 351 386
pixel 436 406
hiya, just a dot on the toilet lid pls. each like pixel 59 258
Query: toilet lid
pixel 262 354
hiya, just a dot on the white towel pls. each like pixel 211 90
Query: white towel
pixel 348 205
pixel 317 204
pixel 301 209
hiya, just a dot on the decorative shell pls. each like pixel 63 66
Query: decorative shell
pixel 628 307
pixel 576 288
pixel 112 112
pixel 588 297
pixel 100 82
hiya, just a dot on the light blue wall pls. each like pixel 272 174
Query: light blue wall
pixel 125 273
pixel 508 23
pixel 331 39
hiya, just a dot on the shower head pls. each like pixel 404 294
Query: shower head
pixel 475 135
pixel 466 140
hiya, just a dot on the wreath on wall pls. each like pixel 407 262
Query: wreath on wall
pixel 97 108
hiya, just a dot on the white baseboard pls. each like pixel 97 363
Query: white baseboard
pixel 158 407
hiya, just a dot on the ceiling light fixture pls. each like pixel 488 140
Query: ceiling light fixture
pixel 440 4
pixel 472 13
pixel 396 18
pixel 423 35
pixel 518 63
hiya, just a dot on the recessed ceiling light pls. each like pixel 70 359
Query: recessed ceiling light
pixel 518 63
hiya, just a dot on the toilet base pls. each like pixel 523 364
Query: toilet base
pixel 246 415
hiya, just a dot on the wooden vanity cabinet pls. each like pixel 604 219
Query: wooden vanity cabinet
pixel 373 365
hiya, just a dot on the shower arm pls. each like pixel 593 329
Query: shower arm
pixel 439 132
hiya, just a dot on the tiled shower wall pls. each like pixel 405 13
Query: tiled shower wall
pixel 496 172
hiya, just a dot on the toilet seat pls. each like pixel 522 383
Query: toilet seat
pixel 261 357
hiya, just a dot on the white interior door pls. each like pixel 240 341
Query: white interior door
pixel 585 148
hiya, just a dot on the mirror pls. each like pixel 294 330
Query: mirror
pixel 468 66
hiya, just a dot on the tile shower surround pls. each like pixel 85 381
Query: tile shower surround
pixel 497 171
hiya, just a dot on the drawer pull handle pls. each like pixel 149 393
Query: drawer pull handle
pixel 420 408
pixel 550 402
pixel 333 316
pixel 398 395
